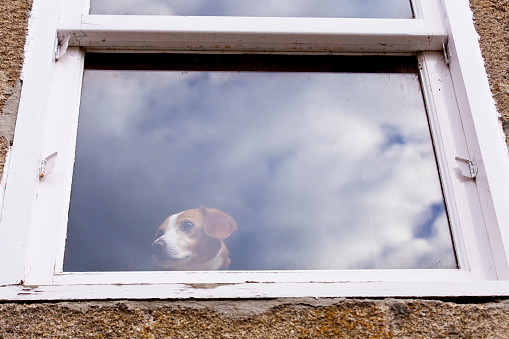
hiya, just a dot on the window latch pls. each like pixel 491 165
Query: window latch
pixel 47 165
pixel 447 52
pixel 62 47
pixel 467 167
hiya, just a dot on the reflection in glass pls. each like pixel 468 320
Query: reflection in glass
pixel 318 170
pixel 262 8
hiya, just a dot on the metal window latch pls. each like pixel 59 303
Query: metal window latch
pixel 62 47
pixel 447 52
pixel 467 167
pixel 47 165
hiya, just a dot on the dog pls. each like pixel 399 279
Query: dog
pixel 192 240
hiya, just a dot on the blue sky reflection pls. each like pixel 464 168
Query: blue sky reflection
pixel 320 170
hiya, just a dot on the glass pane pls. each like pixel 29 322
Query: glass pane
pixel 268 8
pixel 317 170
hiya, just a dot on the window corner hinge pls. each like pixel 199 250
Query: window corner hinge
pixel 62 47
pixel 447 52
pixel 467 167
pixel 47 164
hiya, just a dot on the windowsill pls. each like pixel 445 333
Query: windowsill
pixel 370 289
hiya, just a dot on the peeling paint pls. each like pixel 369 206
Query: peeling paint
pixel 206 286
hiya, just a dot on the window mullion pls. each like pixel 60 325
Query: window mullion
pixel 250 34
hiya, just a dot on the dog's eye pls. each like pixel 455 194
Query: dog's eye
pixel 187 226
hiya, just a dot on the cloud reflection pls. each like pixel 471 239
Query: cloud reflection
pixel 321 171
pixel 276 8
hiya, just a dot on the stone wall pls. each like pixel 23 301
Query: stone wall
pixel 287 318
pixel 13 27
pixel 492 23
pixel 386 318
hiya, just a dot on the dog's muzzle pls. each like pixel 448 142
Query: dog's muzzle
pixel 164 253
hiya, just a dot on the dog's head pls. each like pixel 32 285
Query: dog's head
pixel 193 240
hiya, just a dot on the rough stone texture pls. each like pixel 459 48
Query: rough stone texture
pixel 304 318
pixel 10 112
pixel 13 26
pixel 288 318
pixel 492 24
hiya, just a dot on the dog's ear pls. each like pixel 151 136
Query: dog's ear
pixel 218 224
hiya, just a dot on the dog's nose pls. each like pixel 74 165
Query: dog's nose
pixel 158 245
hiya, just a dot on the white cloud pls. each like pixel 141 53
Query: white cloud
pixel 306 160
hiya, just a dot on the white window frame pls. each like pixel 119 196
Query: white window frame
pixel 461 111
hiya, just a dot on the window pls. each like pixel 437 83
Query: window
pixel 327 165
pixel 321 8
pixel 349 151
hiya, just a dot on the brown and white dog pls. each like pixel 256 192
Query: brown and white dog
pixel 192 240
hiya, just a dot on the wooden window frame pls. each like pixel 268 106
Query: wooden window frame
pixel 462 117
